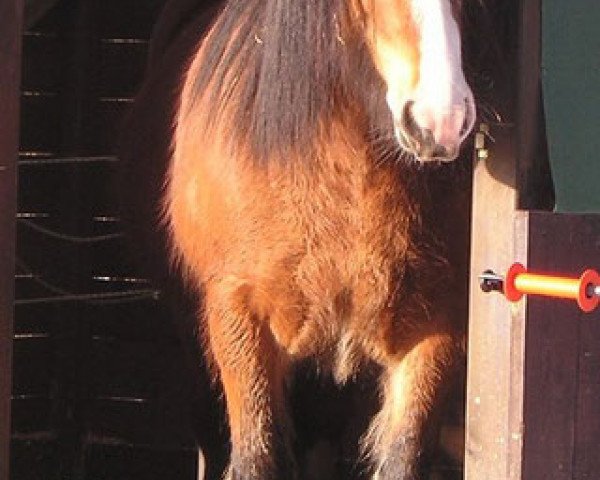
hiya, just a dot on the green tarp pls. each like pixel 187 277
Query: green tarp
pixel 571 87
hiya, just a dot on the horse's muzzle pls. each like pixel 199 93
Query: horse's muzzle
pixel 431 134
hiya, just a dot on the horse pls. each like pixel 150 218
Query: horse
pixel 310 201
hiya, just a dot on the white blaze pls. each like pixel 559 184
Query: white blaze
pixel 442 94
pixel 443 102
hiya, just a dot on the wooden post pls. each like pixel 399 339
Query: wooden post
pixel 11 15
pixel 496 328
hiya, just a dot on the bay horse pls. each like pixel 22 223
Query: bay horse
pixel 306 201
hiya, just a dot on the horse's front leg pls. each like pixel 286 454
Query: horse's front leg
pixel 251 370
pixel 411 386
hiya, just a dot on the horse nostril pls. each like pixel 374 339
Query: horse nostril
pixel 418 139
pixel 408 122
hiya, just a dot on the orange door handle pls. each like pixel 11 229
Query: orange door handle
pixel 585 290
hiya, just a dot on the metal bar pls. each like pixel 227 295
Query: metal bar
pixel 46 158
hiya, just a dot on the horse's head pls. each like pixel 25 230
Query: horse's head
pixel 416 47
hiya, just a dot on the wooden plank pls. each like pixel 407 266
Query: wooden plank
pixel 496 335
pixel 587 419
pixel 11 15
pixel 550 389
pixel 562 387
pixel 551 359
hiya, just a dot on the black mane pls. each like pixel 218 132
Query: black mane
pixel 283 65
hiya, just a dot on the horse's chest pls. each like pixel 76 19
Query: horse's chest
pixel 355 235
pixel 355 226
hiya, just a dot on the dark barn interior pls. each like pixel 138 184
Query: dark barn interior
pixel 99 387
pixel 102 384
